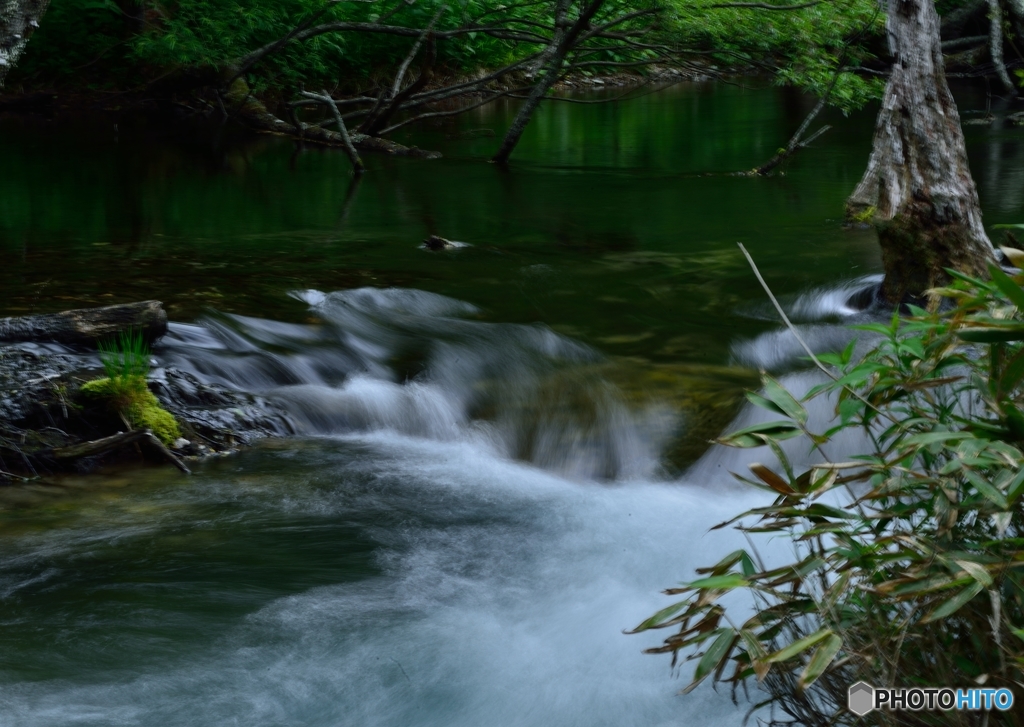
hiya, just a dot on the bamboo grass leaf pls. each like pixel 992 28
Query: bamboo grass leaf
pixel 1013 291
pixel 715 654
pixel 784 400
pixel 953 604
pixel 823 656
pixel 799 646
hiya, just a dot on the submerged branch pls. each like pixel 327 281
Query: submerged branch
pixel 353 155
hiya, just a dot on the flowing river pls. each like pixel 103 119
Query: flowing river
pixel 498 452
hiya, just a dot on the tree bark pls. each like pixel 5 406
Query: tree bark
pixel 550 66
pixel 18 20
pixel 918 188
pixel 995 25
pixel 1017 13
pixel 86 326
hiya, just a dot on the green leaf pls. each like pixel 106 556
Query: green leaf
pixel 953 604
pixel 758 434
pixel 976 571
pixel 756 652
pixel 987 489
pixel 849 408
pixel 715 654
pixel 823 656
pixel 1016 487
pixel 799 646
pixel 784 400
pixel 848 352
pixel 729 580
pixel 932 437
pixel 758 400
pixel 1013 291
pixel 663 615
pixel 725 563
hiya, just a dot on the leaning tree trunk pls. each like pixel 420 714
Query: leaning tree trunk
pixel 552 62
pixel 918 187
pixel 18 19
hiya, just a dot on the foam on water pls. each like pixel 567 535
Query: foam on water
pixel 501 599
pixel 440 554
pixel 411 361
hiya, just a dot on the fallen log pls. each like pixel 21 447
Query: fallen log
pixel 86 326
pixel 116 441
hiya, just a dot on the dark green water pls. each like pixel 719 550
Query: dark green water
pixel 408 570
pixel 616 222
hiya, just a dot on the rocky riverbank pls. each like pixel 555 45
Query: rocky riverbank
pixel 45 419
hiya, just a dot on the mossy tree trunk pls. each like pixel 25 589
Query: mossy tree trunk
pixel 918 187
pixel 18 19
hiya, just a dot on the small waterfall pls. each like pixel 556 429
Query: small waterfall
pixel 421 364
pixel 407 572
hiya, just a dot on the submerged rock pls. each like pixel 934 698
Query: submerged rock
pixel 437 243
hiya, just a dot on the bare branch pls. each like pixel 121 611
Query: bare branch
pixel 353 155
pixel 403 69
pixel 452 112
pixel 303 33
pixel 620 20
pixel 795 144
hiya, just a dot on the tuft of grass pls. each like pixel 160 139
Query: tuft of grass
pixel 126 363
pixel 126 357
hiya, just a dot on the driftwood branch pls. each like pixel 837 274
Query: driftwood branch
pixel 346 139
pixel 86 326
pixel 108 444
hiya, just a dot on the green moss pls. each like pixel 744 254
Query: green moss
pixel 865 215
pixel 130 398
pixel 150 415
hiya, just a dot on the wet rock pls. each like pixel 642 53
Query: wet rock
pixel 86 326
pixel 41 411
pixel 219 416
pixel 437 243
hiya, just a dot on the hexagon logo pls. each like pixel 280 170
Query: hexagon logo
pixel 860 699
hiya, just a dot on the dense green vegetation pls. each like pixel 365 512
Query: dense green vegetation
pixel 908 556
pixel 102 44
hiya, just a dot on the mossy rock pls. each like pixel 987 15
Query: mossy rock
pixel 131 398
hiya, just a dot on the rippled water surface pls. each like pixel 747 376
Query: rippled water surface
pixel 499 457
